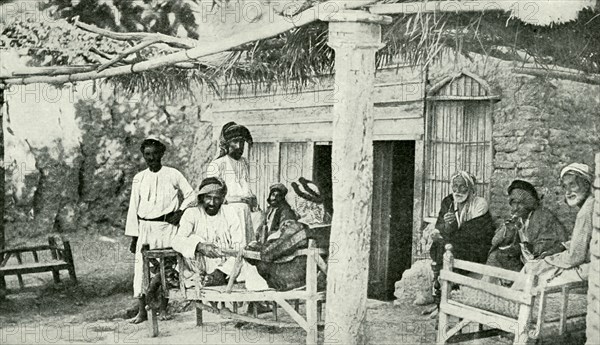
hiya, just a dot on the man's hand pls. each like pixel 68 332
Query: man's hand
pixel 174 218
pixel 251 201
pixel 554 250
pixel 209 250
pixel 133 245
pixel 449 218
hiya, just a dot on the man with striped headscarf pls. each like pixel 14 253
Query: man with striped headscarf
pixel 465 222
pixel 570 263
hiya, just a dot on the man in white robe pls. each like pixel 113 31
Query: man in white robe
pixel 207 229
pixel 158 197
pixel 232 168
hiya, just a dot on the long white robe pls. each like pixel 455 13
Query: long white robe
pixel 154 194
pixel 236 174
pixel 224 230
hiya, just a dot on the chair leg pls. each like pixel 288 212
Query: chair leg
pixel 442 328
pixel 152 321
pixel 2 287
pixel 56 276
pixel 311 321
pixel 198 313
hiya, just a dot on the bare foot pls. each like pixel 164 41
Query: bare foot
pixel 164 316
pixel 139 318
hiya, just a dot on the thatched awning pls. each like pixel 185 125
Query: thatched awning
pixel 286 42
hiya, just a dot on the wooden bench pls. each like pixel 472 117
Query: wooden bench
pixel 215 299
pixel 537 312
pixel 59 258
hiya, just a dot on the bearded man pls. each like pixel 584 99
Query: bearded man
pixel 533 232
pixel 233 168
pixel 278 212
pixel 570 263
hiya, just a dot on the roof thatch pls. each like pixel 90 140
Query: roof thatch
pixel 295 56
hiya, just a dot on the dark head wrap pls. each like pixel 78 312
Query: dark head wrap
pixel 232 131
pixel 280 187
pixel 153 142
pixel 526 186
pixel 211 184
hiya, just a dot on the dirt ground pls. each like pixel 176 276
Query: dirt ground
pixel 96 309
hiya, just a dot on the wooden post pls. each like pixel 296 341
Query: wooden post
pixel 355 36
pixel 2 238
pixel 593 311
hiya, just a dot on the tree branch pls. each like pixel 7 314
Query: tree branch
pixel 124 54
pixel 593 79
pixel 176 42
pixel 274 27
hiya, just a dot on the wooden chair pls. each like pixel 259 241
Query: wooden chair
pixel 527 314
pixel 225 300
pixel 60 258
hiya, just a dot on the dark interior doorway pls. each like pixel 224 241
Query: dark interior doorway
pixel 393 193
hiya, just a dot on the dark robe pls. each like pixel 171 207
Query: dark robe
pixel 282 213
pixel 278 266
pixel 544 232
pixel 471 242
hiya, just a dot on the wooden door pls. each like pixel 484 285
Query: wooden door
pixel 381 213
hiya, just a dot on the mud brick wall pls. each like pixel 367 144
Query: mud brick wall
pixel 540 126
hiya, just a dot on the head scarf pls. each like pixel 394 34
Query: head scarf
pixel 211 184
pixel 580 169
pixel 232 131
pixel 309 205
pixel 280 187
pixel 153 142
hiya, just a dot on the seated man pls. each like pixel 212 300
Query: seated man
pixel 571 263
pixel 310 204
pixel 204 231
pixel 281 271
pixel 463 221
pixel 278 212
pixel 532 233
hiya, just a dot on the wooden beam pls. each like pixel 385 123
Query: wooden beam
pixel 274 26
pixel 580 77
pixel 355 41
pixel 418 7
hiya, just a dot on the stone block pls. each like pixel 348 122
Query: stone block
pixel 504 164
pixel 416 284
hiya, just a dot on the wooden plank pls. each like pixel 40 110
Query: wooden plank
pixel 487 270
pixel 292 313
pixel 463 98
pixel 311 311
pixel 562 328
pixel 484 317
pixel 25 249
pixel 492 289
pixel 395 92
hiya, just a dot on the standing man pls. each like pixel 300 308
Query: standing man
pixel 158 197
pixel 533 232
pixel 232 168
pixel 278 211
pixel 569 263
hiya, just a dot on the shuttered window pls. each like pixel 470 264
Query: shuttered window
pixel 458 137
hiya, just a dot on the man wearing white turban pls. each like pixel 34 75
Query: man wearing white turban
pixel 572 262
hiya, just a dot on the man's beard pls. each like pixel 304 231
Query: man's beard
pixel 459 198
pixel 575 199
pixel 211 210
pixel 236 154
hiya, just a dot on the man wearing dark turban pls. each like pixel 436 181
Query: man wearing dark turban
pixel 533 232
pixel 232 168
pixel 278 211
pixel 158 197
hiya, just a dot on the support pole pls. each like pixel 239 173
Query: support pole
pixel 2 192
pixel 355 36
